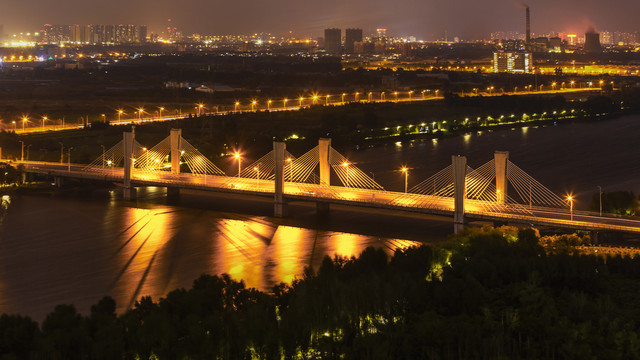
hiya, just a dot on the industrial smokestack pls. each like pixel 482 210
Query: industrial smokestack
pixel 528 24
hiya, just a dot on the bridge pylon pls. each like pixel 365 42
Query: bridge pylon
pixel 501 159
pixel 459 166
pixel 174 139
pixel 128 145
pixel 324 147
pixel 280 203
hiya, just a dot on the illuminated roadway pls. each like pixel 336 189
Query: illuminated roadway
pixel 474 209
pixel 319 100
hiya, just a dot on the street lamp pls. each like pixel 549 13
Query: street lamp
pixel 140 111
pixel 326 100
pixel 396 95
pixel 44 118
pixel 357 95
pixel 600 193
pixel 253 105
pixel 315 99
pixel 300 101
pixel 269 105
pixel 24 120
pixel 69 158
pixel 160 109
pixel 570 199
pixel 346 165
pixel 239 158
pixel 14 126
pixel 343 95
pixel 236 106
pixel 423 92
pixel 382 97
pixel 410 93
pixel 370 95
pixel 200 107
pixel 120 112
pixel 405 170
pixel 284 103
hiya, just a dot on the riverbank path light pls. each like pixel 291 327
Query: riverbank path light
pixel 405 170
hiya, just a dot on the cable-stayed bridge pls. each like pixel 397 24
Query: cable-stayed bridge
pixel 497 191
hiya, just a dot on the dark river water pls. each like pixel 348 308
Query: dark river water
pixel 70 248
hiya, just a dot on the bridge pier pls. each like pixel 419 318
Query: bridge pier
pixel 173 194
pixel 500 159
pixel 129 192
pixel 280 208
pixel 322 208
pixel 58 181
pixel 460 191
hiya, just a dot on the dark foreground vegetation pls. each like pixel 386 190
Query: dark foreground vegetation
pixel 486 294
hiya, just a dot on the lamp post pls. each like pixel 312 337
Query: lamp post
pixel 236 106
pixel 326 100
pixel 200 107
pixel 44 118
pixel 382 97
pixel 239 158
pixel 269 105
pixel 370 96
pixel 69 158
pixel 600 193
pixel 410 93
pixel 343 95
pixel 253 105
pixel 396 95
pixel 357 96
pixel 346 165
pixel 22 150
pixel 570 198
pixel 140 111
pixel 423 92
pixel 300 101
pixel 161 109
pixel 14 126
pixel 120 112
pixel 284 103
pixel 24 121
pixel 405 170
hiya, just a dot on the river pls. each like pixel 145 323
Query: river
pixel 70 248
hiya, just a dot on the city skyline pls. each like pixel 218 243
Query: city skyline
pixel 429 20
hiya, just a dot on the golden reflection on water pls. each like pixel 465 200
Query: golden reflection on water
pixel 161 249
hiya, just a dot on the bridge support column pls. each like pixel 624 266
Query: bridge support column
pixel 501 158
pixel 129 191
pixel 173 194
pixel 325 170
pixel 460 191
pixel 176 135
pixel 322 208
pixel 279 202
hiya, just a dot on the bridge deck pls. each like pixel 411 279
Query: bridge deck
pixel 474 209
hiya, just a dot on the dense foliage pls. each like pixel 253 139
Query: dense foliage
pixel 488 293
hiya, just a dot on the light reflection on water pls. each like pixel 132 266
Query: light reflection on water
pixel 63 250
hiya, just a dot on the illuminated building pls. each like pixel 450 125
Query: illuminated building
pixel 332 41
pixel 513 62
pixel 351 36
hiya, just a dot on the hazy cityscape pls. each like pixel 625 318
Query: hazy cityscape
pixel 346 180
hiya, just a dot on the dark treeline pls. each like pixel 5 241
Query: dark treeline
pixel 486 294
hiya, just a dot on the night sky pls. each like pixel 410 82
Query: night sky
pixel 425 19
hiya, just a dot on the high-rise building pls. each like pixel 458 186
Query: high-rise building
pixel 142 33
pixel 592 42
pixel 332 41
pixel 351 36
pixel 513 62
